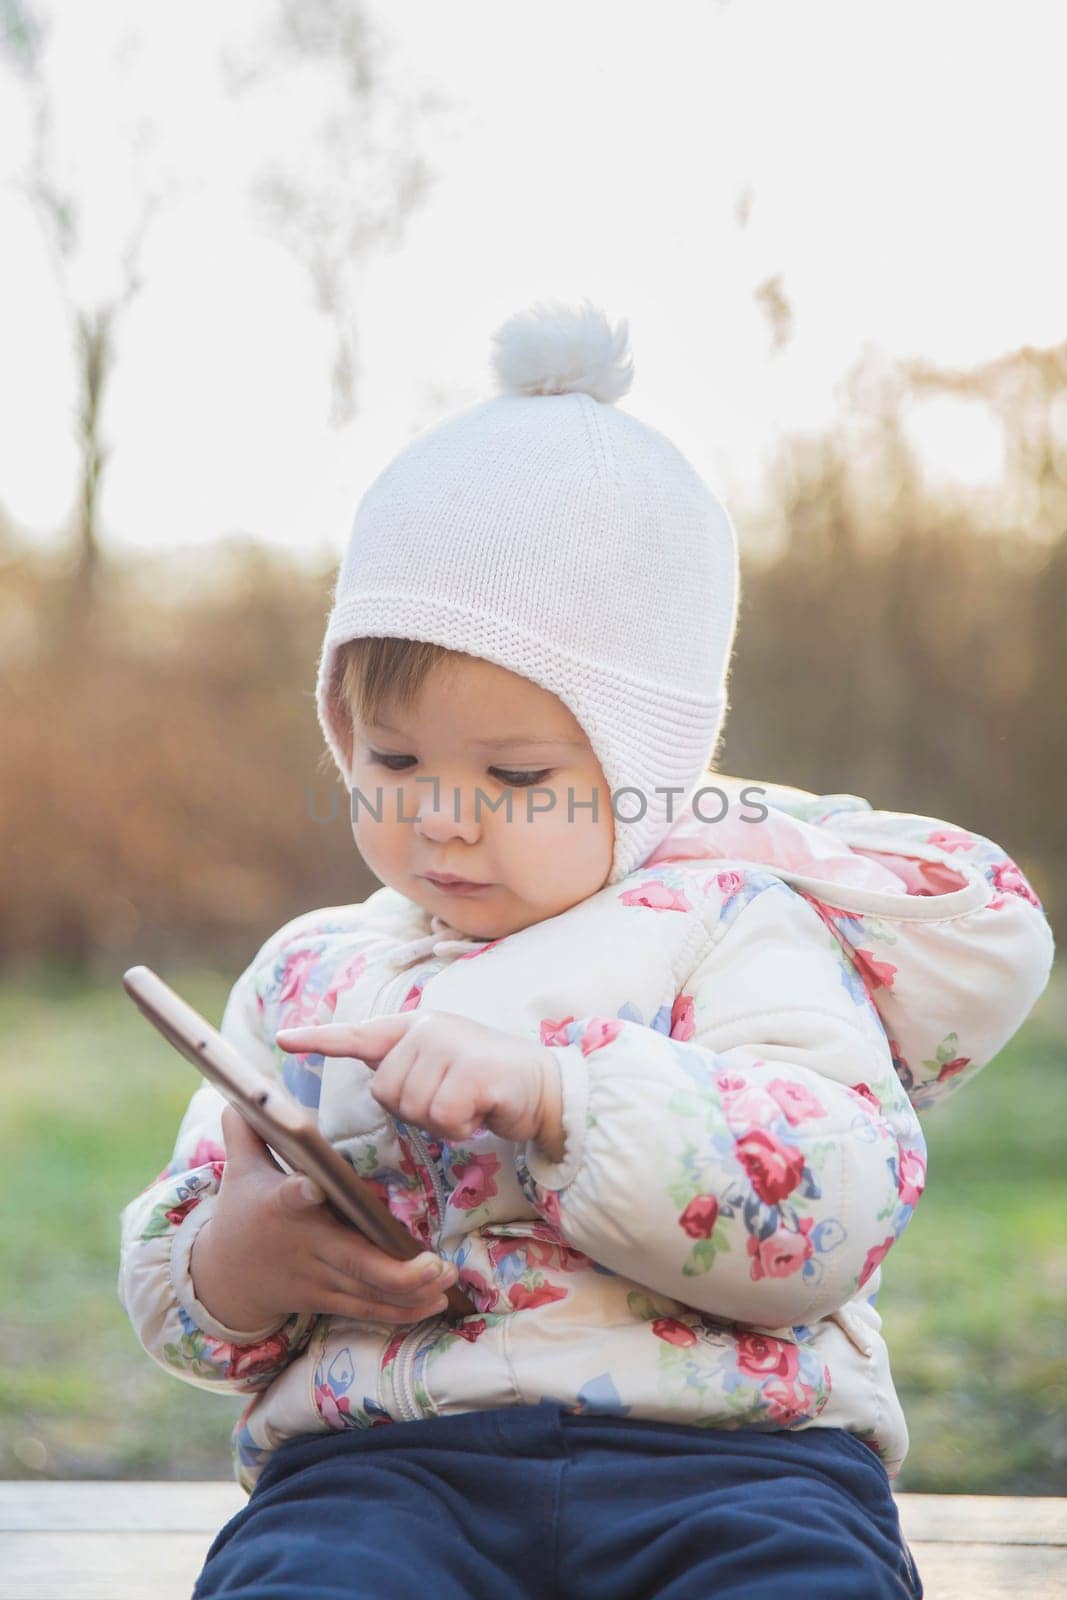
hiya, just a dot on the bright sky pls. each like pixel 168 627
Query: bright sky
pixel 905 161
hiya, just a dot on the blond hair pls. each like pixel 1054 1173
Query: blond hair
pixel 374 674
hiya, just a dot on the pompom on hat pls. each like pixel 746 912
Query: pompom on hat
pixel 551 532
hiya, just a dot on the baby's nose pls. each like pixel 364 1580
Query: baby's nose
pixel 455 815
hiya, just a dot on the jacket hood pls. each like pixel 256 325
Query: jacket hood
pixel 940 925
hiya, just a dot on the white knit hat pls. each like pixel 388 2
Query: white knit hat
pixel 549 531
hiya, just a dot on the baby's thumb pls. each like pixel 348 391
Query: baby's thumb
pixel 244 1147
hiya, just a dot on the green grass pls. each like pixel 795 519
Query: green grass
pixel 93 1098
pixel 973 1298
pixel 973 1301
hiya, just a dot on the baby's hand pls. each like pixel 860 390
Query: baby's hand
pixel 269 1250
pixel 449 1074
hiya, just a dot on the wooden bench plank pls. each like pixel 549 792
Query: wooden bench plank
pixel 983 1519
pixel 102 1566
pixel 177 1505
pixel 991 1571
pixel 97 1540
pixel 163 1506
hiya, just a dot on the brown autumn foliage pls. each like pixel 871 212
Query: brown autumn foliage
pixel 161 767
pixel 164 797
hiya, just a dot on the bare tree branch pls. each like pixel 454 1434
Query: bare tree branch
pixel 24 36
pixel 350 185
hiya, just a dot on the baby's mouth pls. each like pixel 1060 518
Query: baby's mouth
pixel 461 886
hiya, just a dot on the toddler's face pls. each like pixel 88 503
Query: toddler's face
pixel 486 735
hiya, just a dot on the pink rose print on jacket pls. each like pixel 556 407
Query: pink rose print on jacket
pixel 875 974
pixel 409 1207
pixel 476 1184
pixel 298 968
pixel 247 1361
pixel 729 1084
pixel 656 896
pixel 483 1294
pixel 414 1201
pixel 761 1356
pixel 782 1254
pixel 787 1402
pixel 333 1408
pixel 946 1063
pixel 599 1032
pixel 673 1331
pixel 700 1216
pixel 392 1346
pixel 911 1180
pixel 177 1214
pixel 470 1328
pixel 525 1297
pixel 744 1105
pixel 682 1025
pixel 875 1256
pixel 729 883
pixel 208 1151
pixel 543 1247
pixel 547 1202
pixel 344 978
pixel 1006 874
pixel 797 1102
pixel 412 998
pixel 1008 878
pixel 951 839
pixel 755 1109
pixel 865 1093
pixel 774 1169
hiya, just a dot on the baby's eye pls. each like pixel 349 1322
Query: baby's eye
pixel 387 761
pixel 518 780
pixel 521 780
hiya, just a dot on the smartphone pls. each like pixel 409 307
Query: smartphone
pixel 289 1129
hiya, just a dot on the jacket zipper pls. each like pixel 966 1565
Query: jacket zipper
pixel 404 1360
pixel 401 984
pixel 423 1154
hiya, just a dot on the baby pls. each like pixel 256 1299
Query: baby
pixel 636 1051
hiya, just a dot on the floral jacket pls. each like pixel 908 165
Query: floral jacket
pixel 747 1028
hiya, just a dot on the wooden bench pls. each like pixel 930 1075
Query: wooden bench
pixel 92 1540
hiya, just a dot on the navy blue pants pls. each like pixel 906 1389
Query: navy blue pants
pixel 534 1503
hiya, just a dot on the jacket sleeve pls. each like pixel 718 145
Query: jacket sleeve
pixel 757 1162
pixel 158 1228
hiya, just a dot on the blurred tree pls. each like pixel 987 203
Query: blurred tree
pixel 339 179
pixel 773 301
pixel 892 648
pixel 345 176
pixel 95 294
pixel 1027 392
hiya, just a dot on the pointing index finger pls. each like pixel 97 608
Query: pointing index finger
pixel 367 1041
pixel 330 1038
